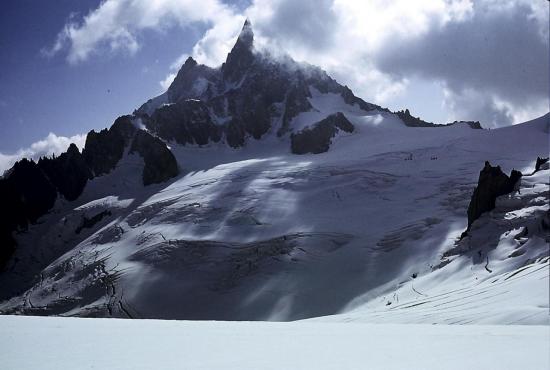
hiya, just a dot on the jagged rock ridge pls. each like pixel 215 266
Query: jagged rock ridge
pixel 317 139
pixel 412 121
pixel 160 164
pixel 29 190
pixel 492 183
pixel 251 94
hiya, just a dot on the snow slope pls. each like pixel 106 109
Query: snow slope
pixel 62 343
pixel 503 279
pixel 260 234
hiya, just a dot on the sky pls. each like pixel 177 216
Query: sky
pixel 67 67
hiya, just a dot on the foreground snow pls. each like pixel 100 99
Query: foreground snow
pixel 70 343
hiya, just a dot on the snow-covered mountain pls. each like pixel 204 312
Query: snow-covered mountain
pixel 265 190
pixel 252 95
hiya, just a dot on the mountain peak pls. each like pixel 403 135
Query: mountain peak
pixel 246 37
pixel 190 62
pixel 241 56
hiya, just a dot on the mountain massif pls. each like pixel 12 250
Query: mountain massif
pixel 265 190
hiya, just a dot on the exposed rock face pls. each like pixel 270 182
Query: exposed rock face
pixel 35 192
pixel 160 163
pixel 25 194
pixel 412 121
pixel 185 122
pixel 296 101
pixel 241 56
pixel 90 222
pixel 192 81
pixel 492 183
pixel 350 98
pixel 542 163
pixel 104 149
pixel 69 172
pixel 473 124
pixel 317 139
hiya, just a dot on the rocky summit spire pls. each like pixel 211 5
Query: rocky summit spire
pixel 246 37
pixel 186 77
pixel 241 56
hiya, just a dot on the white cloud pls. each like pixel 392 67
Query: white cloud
pixel 376 47
pixel 174 67
pixel 493 63
pixel 165 84
pixel 492 111
pixel 115 25
pixel 213 47
pixel 51 144
pixel 487 51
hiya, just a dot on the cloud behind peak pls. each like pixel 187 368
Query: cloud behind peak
pixel 487 51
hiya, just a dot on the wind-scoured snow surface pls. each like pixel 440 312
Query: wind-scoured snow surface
pixel 63 343
pixel 260 234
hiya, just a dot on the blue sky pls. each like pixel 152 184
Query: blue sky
pixel 40 94
pixel 67 66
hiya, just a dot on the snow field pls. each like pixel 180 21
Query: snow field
pixel 69 343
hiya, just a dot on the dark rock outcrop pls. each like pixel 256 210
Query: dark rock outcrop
pixel 160 163
pixel 185 122
pixel 69 172
pixel 25 194
pixel 412 121
pixel 317 139
pixel 541 164
pixel 90 222
pixel 473 124
pixel 33 192
pixel 351 99
pixel 241 56
pixel 296 102
pixel 104 149
pixel 492 183
pixel 235 134
pixel 192 81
